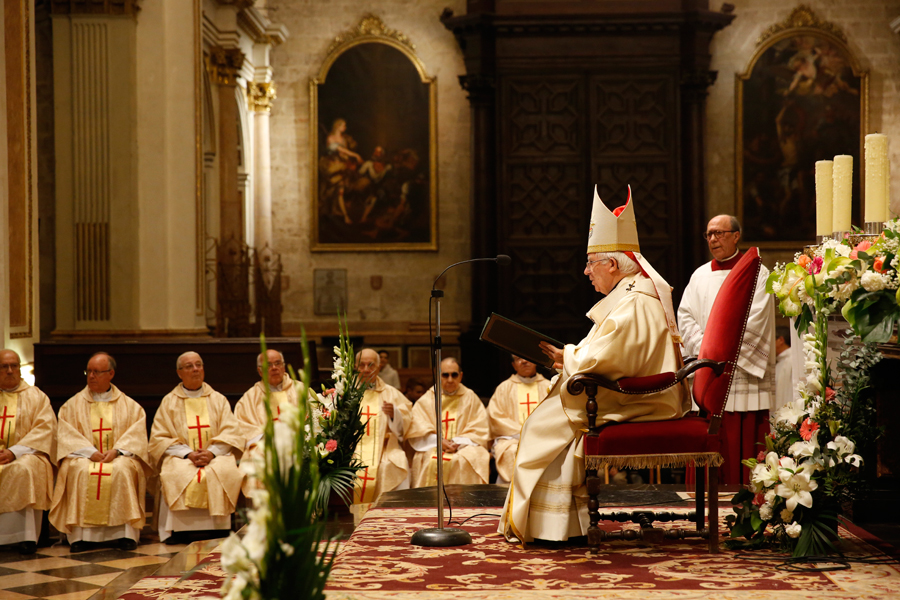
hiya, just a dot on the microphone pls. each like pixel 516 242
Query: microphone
pixel 501 259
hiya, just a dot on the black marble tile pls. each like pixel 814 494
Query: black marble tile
pixel 85 570
pixel 7 571
pixel 103 555
pixel 53 588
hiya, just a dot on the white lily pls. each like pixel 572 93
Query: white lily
pixel 796 488
pixel 766 473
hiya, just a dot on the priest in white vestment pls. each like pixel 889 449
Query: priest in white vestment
pixel 387 415
pixel 194 442
pixel 103 463
pixel 250 410
pixel 746 419
pixel 388 373
pixel 465 433
pixel 784 370
pixel 513 402
pixel 27 447
pixel 634 335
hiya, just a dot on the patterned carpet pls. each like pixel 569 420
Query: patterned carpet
pixel 378 562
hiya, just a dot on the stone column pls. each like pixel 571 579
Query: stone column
pixel 261 96
pixel 224 65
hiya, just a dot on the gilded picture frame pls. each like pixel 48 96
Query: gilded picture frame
pixel 373 135
pixel 803 98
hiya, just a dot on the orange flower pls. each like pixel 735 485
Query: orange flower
pixel 803 262
pixel 807 428
pixel 879 265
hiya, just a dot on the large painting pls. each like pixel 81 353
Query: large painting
pixel 373 135
pixel 802 99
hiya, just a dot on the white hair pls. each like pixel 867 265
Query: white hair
pixel 259 359
pixel 178 360
pixel 377 355
pixel 626 265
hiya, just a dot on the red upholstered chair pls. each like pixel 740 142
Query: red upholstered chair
pixel 692 440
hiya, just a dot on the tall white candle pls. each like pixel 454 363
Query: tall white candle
pixel 876 176
pixel 843 190
pixel 824 197
pixel 887 182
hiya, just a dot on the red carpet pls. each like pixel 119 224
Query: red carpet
pixel 378 562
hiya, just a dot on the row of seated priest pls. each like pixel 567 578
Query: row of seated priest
pixel 90 464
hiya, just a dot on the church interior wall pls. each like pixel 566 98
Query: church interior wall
pixel 867 26
pixel 407 276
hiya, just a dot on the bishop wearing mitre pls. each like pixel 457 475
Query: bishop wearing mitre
pixel 27 447
pixel 513 402
pixel 103 463
pixel 387 415
pixel 464 430
pixel 194 442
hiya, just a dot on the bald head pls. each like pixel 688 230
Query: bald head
pixel 451 375
pixel 368 363
pixel 190 369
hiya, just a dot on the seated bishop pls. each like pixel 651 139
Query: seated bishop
pixel 27 447
pixel 464 430
pixel 387 415
pixel 195 442
pixel 103 463
pixel 512 403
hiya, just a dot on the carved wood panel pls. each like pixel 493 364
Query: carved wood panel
pixel 543 116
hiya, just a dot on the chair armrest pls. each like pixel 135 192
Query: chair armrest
pixel 718 367
pixel 627 385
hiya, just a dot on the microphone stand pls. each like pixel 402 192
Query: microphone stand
pixel 443 536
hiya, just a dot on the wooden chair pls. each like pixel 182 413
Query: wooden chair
pixel 692 440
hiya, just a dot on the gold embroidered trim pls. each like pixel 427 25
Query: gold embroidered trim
pixel 645 461
pixel 614 248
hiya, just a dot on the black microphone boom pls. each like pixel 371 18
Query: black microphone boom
pixel 501 260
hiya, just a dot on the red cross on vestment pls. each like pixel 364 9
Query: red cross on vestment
pixel 446 421
pixel 5 417
pixel 365 479
pixel 368 414
pixel 278 408
pixel 199 429
pixel 198 474
pixel 100 474
pixel 528 403
pixel 100 431
pixel 444 456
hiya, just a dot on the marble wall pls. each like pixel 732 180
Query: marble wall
pixel 407 276
pixel 867 27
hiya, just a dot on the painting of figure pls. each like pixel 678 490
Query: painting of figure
pixel 375 152
pixel 801 102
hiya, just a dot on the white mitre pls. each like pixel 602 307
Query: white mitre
pixel 612 233
pixel 616 231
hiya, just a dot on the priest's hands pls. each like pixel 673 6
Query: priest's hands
pixel 388 409
pixel 6 456
pixel 105 457
pixel 449 446
pixel 201 458
pixel 554 353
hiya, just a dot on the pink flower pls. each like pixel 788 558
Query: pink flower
pixel 759 499
pixel 326 413
pixel 860 247
pixel 761 457
pixel 331 445
pixel 815 265
pixel 807 428
pixel 829 394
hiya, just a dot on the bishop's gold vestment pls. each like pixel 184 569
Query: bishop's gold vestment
pixel 462 416
pixel 379 449
pixel 124 427
pixel 630 338
pixel 197 423
pixel 513 401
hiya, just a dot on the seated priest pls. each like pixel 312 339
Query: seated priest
pixel 512 403
pixel 103 463
pixel 387 415
pixel 465 433
pixel 27 447
pixel 251 410
pixel 634 334
pixel 194 442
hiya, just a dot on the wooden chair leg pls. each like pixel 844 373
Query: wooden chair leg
pixel 606 474
pixel 699 476
pixel 593 532
pixel 714 509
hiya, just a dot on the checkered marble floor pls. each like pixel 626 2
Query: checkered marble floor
pixel 102 573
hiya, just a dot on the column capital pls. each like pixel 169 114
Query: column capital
pixel 94 7
pixel 260 95
pixel 224 64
